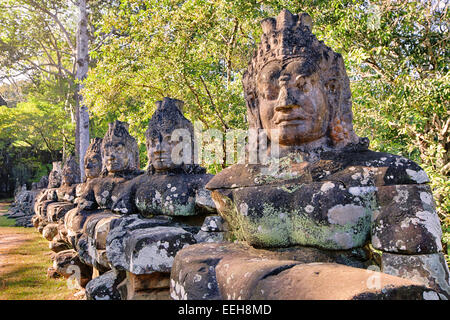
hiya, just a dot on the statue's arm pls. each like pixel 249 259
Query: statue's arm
pixel 52 194
pixel 406 228
pixel 86 201
pixel 204 200
pixel 126 194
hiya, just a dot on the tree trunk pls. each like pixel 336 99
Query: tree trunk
pixel 81 73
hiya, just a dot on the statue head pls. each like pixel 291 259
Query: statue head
pixel 43 182
pixel 297 87
pixel 70 172
pixel 93 159
pixel 120 151
pixel 54 177
pixel 161 139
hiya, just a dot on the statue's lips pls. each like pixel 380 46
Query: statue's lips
pixel 289 120
pixel 113 164
pixel 290 115
pixel 163 157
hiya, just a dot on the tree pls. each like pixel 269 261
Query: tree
pixel 82 132
pixel 2 102
pixel 40 42
pixel 396 54
pixel 37 42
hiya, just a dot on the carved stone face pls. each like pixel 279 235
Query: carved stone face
pixel 159 151
pixel 93 166
pixel 54 177
pixel 292 102
pixel 116 156
pixel 70 172
pixel 93 159
pixel 120 151
pixel 68 177
pixel 167 118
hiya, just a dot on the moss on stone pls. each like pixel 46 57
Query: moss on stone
pixel 279 228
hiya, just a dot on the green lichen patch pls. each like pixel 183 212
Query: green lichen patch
pixel 278 227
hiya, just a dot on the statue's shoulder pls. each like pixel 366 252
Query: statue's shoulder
pixel 189 180
pixel 353 168
pixel 238 175
pixel 202 179
pixel 392 169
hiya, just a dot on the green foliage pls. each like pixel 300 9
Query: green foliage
pixel 7 222
pixel 196 50
pixel 35 123
pixel 397 58
pixel 396 55
pixel 191 50
pixel 33 134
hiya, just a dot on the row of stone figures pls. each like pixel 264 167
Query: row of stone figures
pixel 335 220
pixel 22 209
pixel 122 227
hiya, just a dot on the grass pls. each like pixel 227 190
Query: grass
pixel 24 277
pixel 4 221
pixel 23 271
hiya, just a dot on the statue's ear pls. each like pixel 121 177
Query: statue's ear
pixel 338 132
pixel 333 86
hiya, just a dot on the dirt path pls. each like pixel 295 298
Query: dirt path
pixel 24 259
pixel 10 240
pixel 4 207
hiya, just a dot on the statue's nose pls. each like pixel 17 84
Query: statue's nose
pixel 286 100
pixel 158 147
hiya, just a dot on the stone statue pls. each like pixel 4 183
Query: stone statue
pixel 92 164
pixel 48 195
pixel 70 178
pixel 54 178
pixel 109 163
pixel 120 159
pixel 162 210
pixel 93 159
pixel 326 192
pixel 119 155
pixel 169 188
pixel 74 220
pixel 54 203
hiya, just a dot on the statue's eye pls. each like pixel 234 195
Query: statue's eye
pixel 268 82
pixel 168 139
pixel 303 84
pixel 332 86
pixel 271 91
pixel 119 148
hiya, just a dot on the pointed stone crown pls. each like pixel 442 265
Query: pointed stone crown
pixel 288 36
pixel 94 147
pixel 118 132
pixel 167 117
pixel 70 171
pixel 118 129
pixel 94 150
